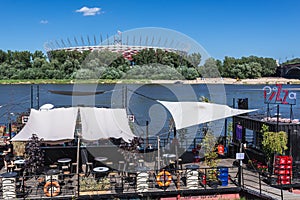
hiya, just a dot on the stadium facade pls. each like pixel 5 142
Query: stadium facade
pixel 113 44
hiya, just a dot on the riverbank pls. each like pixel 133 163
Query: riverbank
pixel 264 80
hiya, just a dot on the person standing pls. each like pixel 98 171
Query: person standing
pixel 8 152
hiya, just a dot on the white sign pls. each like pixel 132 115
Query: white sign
pixel 240 156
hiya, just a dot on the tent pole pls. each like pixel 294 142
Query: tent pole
pixel 147 134
pixel 77 168
pixel 158 153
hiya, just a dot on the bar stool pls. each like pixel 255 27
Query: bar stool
pixel 121 167
pixel 141 163
pixel 179 163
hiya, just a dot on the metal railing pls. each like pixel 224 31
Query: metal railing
pixel 260 185
pixel 117 183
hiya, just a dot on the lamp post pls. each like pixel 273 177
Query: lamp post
pixel 9 125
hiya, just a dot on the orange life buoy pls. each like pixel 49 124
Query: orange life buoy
pixel 166 181
pixel 221 149
pixel 51 187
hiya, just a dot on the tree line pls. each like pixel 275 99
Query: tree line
pixel 148 63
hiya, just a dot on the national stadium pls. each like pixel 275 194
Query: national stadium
pixel 128 46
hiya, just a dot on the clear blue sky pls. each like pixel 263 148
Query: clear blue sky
pixel 268 28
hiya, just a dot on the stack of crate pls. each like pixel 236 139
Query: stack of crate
pixel 283 169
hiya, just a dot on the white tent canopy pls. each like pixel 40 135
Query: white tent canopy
pixel 98 123
pixel 58 125
pixel 187 114
pixel 51 125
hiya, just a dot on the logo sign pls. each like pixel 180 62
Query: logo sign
pixel 278 95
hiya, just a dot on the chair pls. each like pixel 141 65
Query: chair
pixel 112 178
pixel 131 180
pixel 10 168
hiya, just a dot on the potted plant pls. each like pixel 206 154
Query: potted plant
pixel 273 142
pixel 34 155
pixel 211 159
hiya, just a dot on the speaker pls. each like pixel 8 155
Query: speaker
pixel 243 103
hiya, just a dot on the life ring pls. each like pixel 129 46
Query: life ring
pixel 53 187
pixel 163 179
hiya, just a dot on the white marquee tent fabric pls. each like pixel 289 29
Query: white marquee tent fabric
pixel 187 114
pixel 58 125
pixel 99 123
pixel 51 125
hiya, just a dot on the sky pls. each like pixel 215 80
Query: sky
pixel 235 28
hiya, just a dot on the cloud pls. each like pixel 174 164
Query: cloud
pixel 44 21
pixel 89 11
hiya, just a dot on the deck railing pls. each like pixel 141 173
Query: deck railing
pixel 258 184
pixel 167 182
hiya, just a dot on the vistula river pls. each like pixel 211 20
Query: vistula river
pixel 139 99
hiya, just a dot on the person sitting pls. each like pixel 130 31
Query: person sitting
pixel 8 152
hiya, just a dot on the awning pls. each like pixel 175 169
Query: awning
pixel 100 123
pixel 56 125
pixel 187 114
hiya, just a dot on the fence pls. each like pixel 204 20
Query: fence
pixel 167 182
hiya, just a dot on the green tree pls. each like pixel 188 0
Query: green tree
pixel 194 59
pixel 210 69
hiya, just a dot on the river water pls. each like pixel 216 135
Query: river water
pixel 139 99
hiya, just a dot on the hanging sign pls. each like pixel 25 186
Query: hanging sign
pixel 278 95
pixel 239 132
